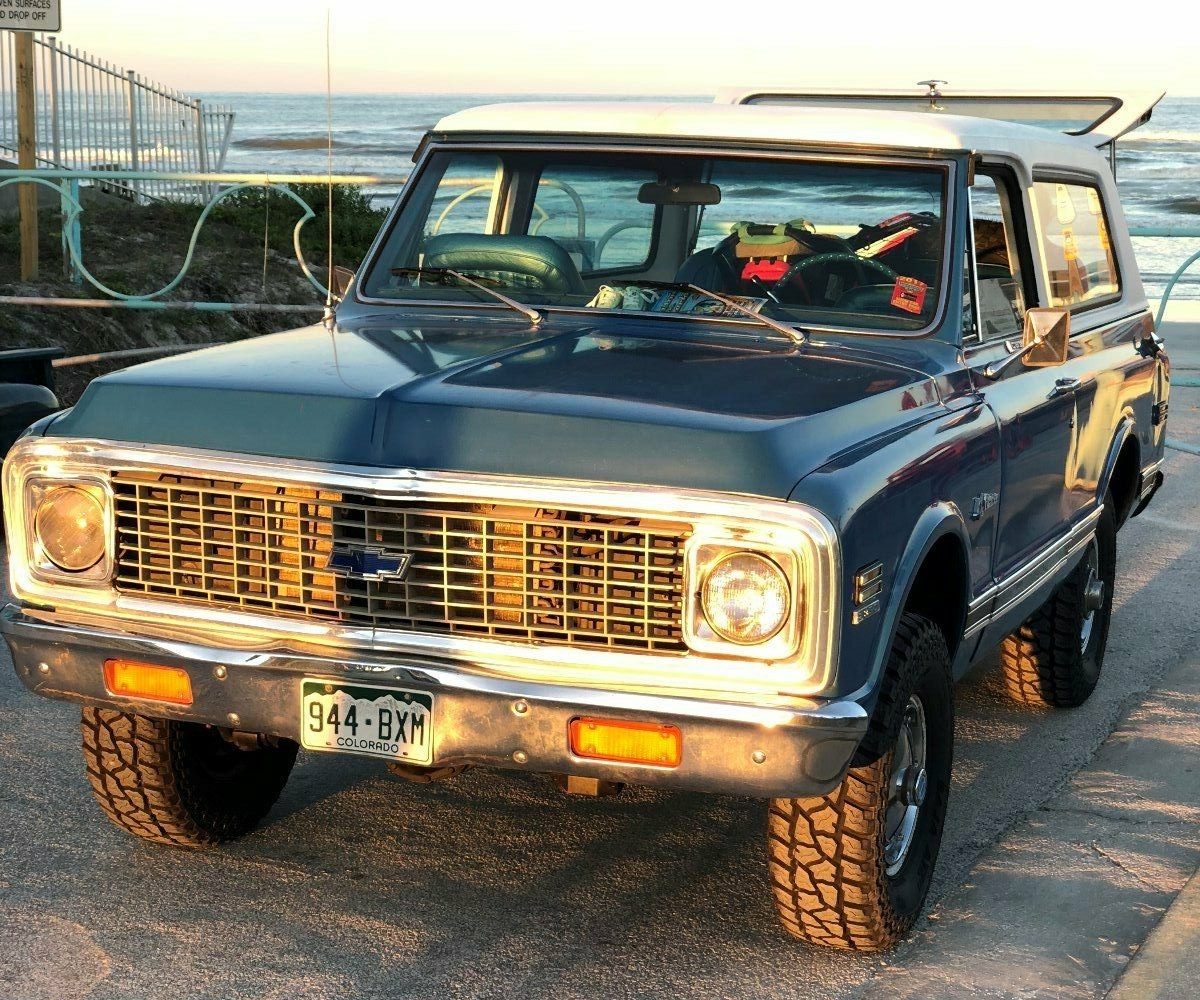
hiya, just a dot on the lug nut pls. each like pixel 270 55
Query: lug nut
pixel 521 757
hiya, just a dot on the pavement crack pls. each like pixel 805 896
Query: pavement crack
pixel 1114 816
pixel 1144 883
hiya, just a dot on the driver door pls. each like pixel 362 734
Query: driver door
pixel 1035 407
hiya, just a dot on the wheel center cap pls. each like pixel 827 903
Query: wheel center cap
pixel 914 787
pixel 1093 596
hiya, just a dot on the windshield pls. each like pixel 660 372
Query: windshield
pixel 852 243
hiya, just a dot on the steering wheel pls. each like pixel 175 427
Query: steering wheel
pixel 845 257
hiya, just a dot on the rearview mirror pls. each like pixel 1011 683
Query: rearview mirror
pixel 1045 338
pixel 679 193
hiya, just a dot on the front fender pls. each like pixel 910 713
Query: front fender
pixel 934 523
pixel 890 505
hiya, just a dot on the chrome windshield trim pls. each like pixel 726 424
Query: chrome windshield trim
pixel 742 520
pixel 914 158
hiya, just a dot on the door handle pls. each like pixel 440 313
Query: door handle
pixel 1062 386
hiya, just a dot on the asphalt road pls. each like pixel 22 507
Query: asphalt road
pixel 495 884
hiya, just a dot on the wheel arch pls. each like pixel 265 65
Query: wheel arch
pixel 931 578
pixel 1121 470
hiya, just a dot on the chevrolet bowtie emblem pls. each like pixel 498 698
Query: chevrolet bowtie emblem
pixel 368 564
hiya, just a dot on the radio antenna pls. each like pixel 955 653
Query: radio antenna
pixel 329 296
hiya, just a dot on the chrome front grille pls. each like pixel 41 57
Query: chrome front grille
pixel 504 571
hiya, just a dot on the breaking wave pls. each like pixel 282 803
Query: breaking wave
pixel 311 143
pixel 1150 136
pixel 1182 206
pixel 287 142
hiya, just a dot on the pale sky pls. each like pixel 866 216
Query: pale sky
pixel 625 47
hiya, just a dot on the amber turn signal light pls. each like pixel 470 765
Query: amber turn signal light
pixel 627 742
pixel 130 679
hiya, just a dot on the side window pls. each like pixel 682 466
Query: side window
pixel 466 197
pixel 998 272
pixel 594 214
pixel 1080 266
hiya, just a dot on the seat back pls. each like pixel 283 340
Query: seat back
pixel 534 262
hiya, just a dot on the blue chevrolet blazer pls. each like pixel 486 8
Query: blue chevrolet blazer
pixel 693 446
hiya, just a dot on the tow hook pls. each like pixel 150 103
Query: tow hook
pixel 575 784
pixel 248 741
pixel 419 775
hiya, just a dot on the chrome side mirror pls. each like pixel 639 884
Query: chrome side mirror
pixel 1044 342
pixel 1045 338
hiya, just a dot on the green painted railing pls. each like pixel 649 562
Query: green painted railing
pixel 67 183
pixel 1169 232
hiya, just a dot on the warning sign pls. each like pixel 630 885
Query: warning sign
pixel 31 15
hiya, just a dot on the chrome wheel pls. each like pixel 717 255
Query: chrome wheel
pixel 1093 595
pixel 907 788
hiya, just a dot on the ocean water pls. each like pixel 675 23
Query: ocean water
pixel 1158 166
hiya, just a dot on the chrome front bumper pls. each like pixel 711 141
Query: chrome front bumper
pixel 797 750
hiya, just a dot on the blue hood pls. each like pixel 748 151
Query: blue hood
pixel 688 405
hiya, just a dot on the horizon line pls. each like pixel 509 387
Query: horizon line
pixel 508 93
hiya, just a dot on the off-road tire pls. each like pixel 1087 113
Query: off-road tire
pixel 1043 662
pixel 179 783
pixel 826 854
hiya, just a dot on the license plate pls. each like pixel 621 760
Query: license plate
pixel 378 722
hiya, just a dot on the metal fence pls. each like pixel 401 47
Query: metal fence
pixel 217 186
pixel 92 115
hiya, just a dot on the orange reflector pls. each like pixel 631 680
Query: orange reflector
pixel 627 742
pixel 131 679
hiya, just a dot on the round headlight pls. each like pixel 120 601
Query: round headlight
pixel 69 523
pixel 746 598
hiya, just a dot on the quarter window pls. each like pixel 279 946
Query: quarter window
pixel 998 277
pixel 1081 268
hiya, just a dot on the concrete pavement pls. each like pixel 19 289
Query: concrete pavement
pixel 1167 967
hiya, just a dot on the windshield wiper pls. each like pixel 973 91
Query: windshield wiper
pixel 475 281
pixel 792 333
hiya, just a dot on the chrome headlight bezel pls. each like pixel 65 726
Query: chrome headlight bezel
pixel 40 494
pixel 803 544
pixel 705 636
pixel 32 572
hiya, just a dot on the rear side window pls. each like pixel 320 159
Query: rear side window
pixel 1080 265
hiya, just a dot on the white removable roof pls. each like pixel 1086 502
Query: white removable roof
pixel 1099 116
pixel 790 123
